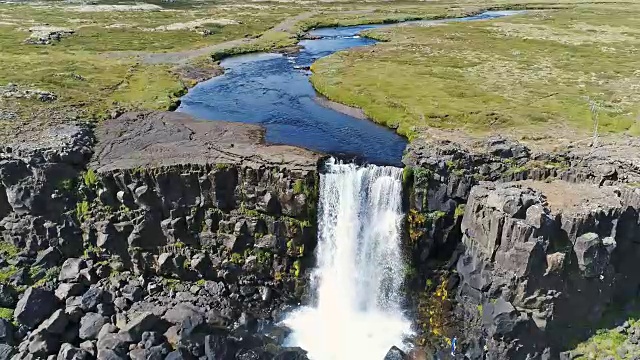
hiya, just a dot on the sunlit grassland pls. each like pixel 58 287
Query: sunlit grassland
pixel 528 72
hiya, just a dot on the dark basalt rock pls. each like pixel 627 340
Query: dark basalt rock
pixel 34 307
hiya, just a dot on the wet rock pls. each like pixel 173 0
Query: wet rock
pixel 291 354
pixel 35 306
pixel 395 354
pixel 217 347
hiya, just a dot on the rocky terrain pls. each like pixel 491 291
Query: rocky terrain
pixel 179 239
pixel 533 251
pixel 154 235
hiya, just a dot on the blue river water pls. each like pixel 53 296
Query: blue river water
pixel 273 90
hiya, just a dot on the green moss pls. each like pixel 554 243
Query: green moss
pixel 459 210
pixel 51 275
pixel 82 210
pixel 8 250
pixel 422 176
pixel 263 257
pixel 171 284
pixel 223 166
pixel 407 175
pixel 516 170
pixel 435 215
pixel 66 185
pixel 90 178
pixel 299 186
pixel 6 273
pixel 237 259
pixel 201 282
pixel 296 268
pixel 6 313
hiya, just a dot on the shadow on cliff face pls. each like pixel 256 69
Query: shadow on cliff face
pixel 548 249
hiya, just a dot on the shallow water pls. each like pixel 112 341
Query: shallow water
pixel 273 91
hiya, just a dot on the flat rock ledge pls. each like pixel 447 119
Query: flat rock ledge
pixel 156 139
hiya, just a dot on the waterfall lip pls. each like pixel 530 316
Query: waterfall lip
pixel 353 158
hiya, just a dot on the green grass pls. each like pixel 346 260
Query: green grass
pixel 88 81
pixel 523 73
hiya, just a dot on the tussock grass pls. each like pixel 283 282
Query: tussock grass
pixel 479 77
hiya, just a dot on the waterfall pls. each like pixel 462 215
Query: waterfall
pixel 356 286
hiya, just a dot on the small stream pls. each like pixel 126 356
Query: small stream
pixel 273 90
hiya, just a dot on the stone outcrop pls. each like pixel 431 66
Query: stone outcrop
pixel 174 241
pixel 524 251
pixel 539 268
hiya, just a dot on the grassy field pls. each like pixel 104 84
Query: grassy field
pixel 91 82
pixel 535 72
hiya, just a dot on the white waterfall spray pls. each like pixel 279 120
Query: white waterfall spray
pixel 357 283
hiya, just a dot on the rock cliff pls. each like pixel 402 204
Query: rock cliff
pixel 523 252
pixel 159 236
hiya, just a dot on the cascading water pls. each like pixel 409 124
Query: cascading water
pixel 357 283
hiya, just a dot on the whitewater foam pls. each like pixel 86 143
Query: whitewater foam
pixel 357 284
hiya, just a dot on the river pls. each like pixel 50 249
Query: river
pixel 273 90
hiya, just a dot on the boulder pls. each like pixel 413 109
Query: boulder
pixel 6 332
pixel 35 306
pixel 186 316
pixel 132 292
pixel 90 326
pixel 56 323
pixel 48 258
pixel 66 290
pixel 6 351
pixel 43 344
pixel 91 299
pixel 8 296
pixel 114 342
pixel 104 354
pixel 218 347
pixel 144 322
pixel 90 347
pixel 70 270
pixel 69 352
pixel 592 254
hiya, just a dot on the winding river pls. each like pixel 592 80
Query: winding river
pixel 273 90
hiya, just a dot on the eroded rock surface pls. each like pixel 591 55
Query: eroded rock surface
pixel 525 251
pixel 180 239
